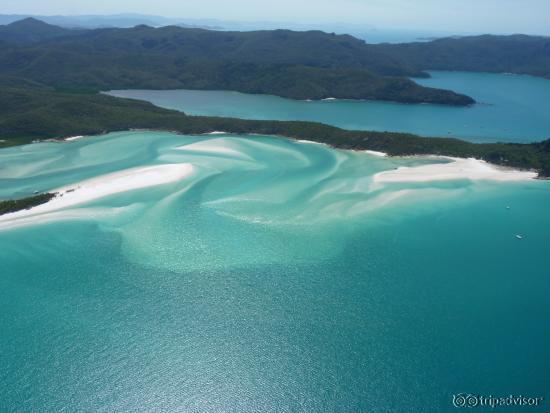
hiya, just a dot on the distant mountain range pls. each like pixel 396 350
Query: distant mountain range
pixel 494 53
pixel 298 65
pixel 362 31
pixel 106 21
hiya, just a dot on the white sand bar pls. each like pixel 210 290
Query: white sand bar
pixel 311 142
pixel 215 147
pixel 99 187
pixel 376 153
pixel 74 138
pixel 458 168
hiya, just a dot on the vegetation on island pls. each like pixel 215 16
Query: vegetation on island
pixel 519 54
pixel 50 76
pixel 14 205
pixel 296 65
pixel 31 113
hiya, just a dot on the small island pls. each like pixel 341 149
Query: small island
pixel 14 205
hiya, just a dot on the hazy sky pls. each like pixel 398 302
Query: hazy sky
pixel 503 16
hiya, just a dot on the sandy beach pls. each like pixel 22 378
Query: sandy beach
pixel 458 168
pixel 96 188
pixel 311 142
pixel 376 153
pixel 74 138
pixel 149 176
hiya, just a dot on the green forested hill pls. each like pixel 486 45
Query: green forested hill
pixel 29 113
pixel 42 67
pixel 29 30
pixel 501 54
pixel 516 53
pixel 311 48
pixel 298 65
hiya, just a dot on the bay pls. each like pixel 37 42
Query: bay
pixel 278 277
pixel 510 108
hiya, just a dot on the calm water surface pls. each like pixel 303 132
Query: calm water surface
pixel 278 278
pixel 510 108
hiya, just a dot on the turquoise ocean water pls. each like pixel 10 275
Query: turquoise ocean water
pixel 510 108
pixel 276 278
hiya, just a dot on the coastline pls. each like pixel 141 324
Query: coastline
pixel 457 168
pixel 92 189
pixel 532 173
pixel 99 187
pixel 376 153
pixel 74 138
pixel 307 141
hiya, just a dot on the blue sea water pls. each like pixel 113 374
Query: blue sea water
pixel 510 108
pixel 277 278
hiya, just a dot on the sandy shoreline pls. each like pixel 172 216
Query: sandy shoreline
pixel 74 138
pixel 458 168
pixel 483 169
pixel 142 177
pixel 99 187
pixel 310 142
pixel 376 153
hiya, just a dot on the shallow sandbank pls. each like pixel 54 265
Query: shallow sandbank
pixel 458 168
pixel 99 187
